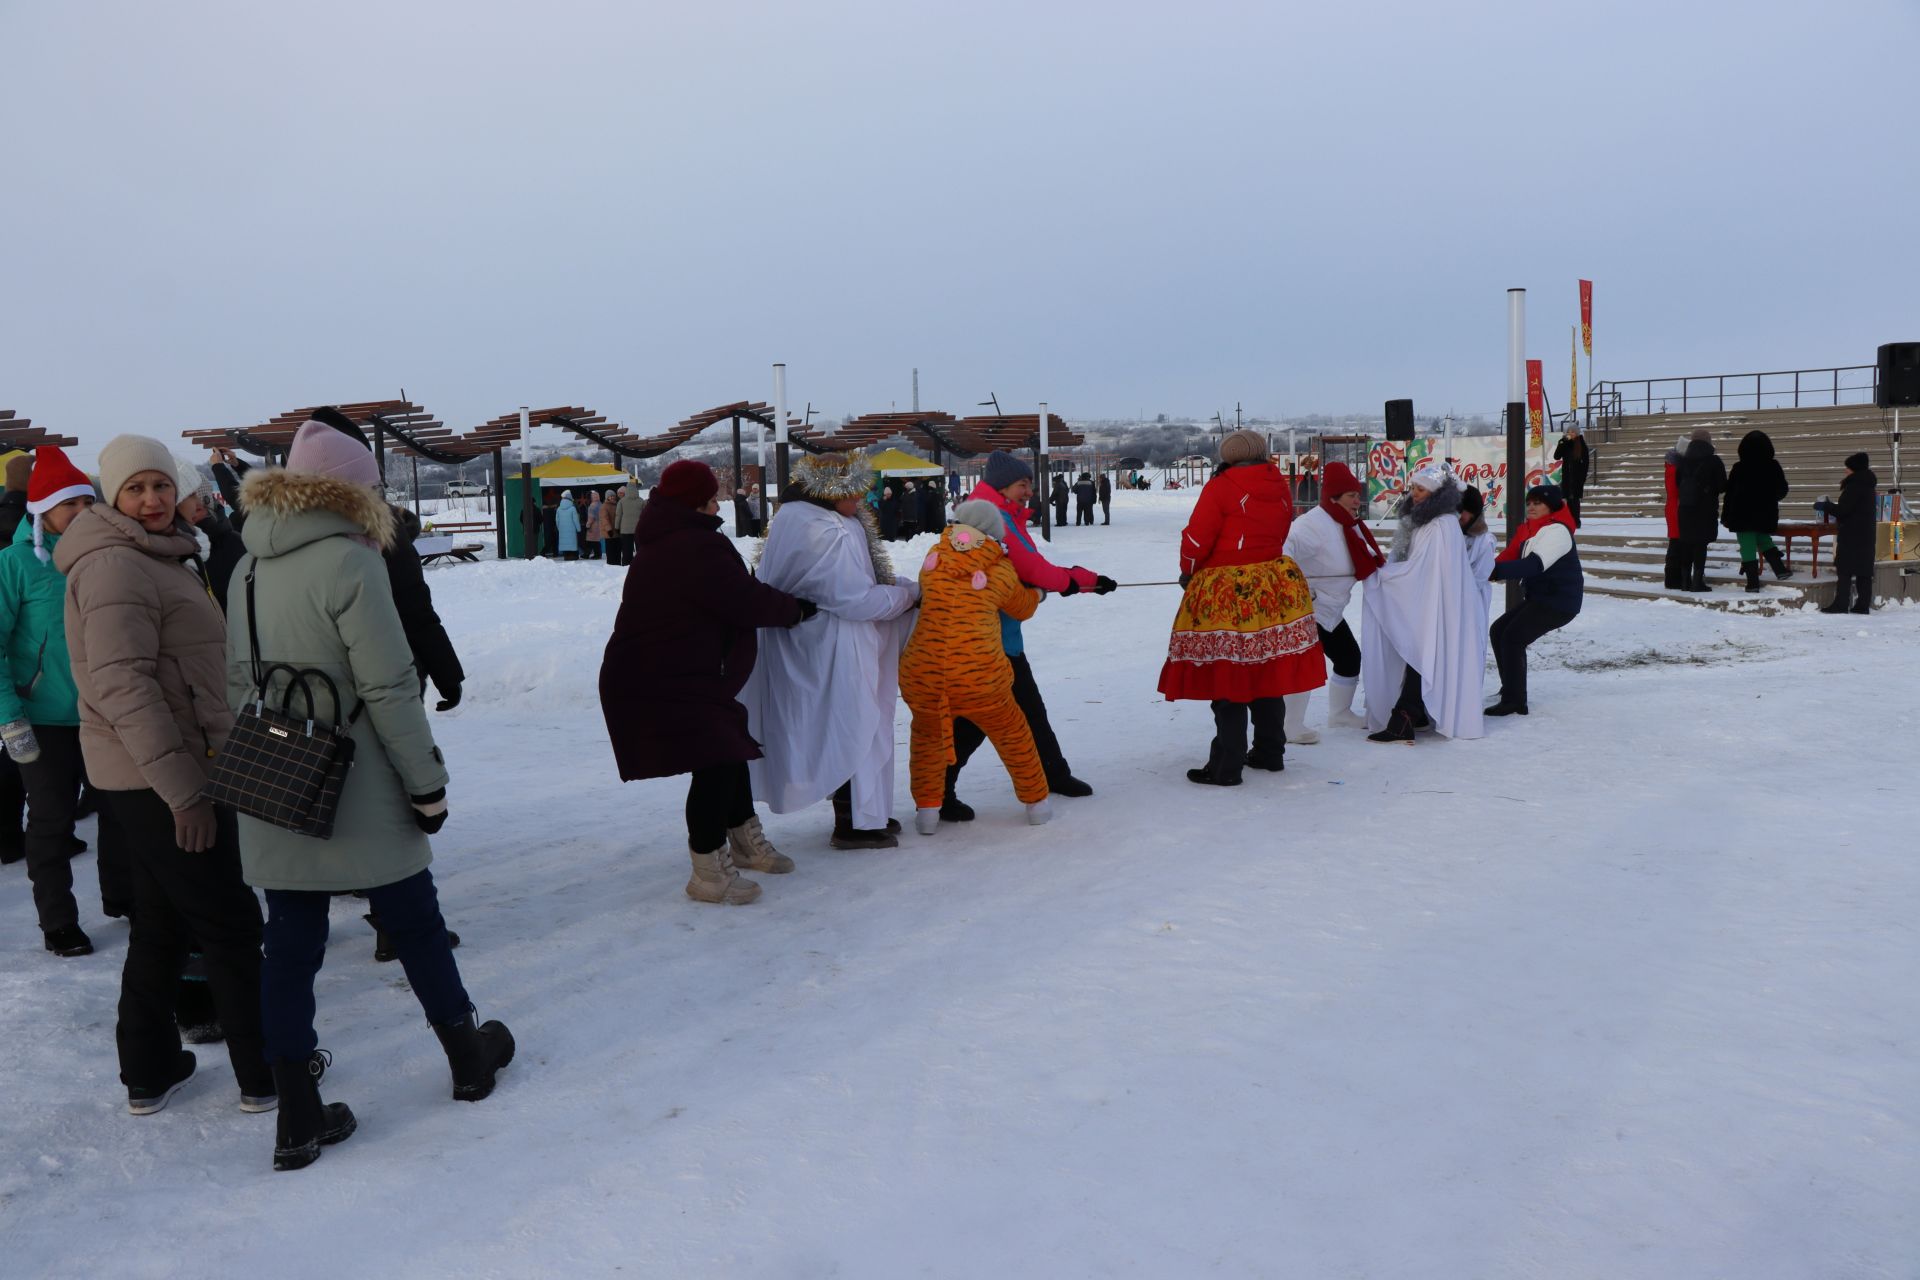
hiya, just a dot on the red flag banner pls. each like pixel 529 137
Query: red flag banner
pixel 1536 399
pixel 1586 316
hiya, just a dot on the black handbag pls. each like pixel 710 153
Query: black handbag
pixel 279 767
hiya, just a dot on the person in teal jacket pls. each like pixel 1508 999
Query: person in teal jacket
pixel 39 705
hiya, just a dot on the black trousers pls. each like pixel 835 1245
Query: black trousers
pixel 1342 650
pixel 1675 569
pixel 296 937
pixel 1573 494
pixel 1084 515
pixel 719 798
pixel 590 549
pixel 180 898
pixel 1229 754
pixel 1694 564
pixel 13 806
pixel 1060 512
pixel 1106 511
pixel 1511 633
pixel 967 736
pixel 53 798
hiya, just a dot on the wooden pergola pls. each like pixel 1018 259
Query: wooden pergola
pixel 20 433
pixel 401 425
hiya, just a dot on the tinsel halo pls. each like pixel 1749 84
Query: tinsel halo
pixel 833 475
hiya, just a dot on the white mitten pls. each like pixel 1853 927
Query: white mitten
pixel 20 742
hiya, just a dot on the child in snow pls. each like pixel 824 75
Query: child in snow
pixel 955 664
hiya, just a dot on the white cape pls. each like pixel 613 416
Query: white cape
pixel 1480 555
pixel 821 697
pixel 1426 611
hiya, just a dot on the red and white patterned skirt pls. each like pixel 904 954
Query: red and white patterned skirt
pixel 1244 631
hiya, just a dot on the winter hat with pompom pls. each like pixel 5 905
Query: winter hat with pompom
pixel 978 513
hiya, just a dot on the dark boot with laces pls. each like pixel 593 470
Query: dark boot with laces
pixel 474 1053
pixel 305 1124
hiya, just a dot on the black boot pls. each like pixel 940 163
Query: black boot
pixel 1214 773
pixel 952 807
pixel 383 948
pixel 1842 596
pixel 1675 569
pixel 305 1124
pixel 1778 563
pixel 1068 785
pixel 474 1053
pixel 847 836
pixel 1399 729
pixel 1751 568
pixel 1506 707
pixel 1863 594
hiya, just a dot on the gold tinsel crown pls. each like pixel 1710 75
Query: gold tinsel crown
pixel 834 475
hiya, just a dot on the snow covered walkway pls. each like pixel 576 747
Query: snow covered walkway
pixel 1625 989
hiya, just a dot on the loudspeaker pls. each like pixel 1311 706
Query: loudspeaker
pixel 1400 419
pixel 1899 383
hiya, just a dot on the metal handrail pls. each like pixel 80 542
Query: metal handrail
pixel 1810 388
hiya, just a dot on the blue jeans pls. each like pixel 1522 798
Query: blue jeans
pixel 296 943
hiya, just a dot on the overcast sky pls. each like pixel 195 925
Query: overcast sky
pixel 215 212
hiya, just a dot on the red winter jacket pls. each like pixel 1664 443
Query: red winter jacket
pixel 1673 496
pixel 1242 518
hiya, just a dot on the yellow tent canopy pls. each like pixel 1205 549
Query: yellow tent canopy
pixel 574 469
pixel 898 462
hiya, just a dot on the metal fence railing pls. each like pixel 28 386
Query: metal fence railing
pixel 1718 392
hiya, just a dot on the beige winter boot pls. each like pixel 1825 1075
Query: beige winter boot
pixel 1340 714
pixel 715 880
pixel 752 850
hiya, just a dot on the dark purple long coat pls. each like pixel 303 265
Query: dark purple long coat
pixel 683 646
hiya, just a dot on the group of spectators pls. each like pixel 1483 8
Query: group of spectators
pixel 1702 495
pixel 136 620
pixel 594 524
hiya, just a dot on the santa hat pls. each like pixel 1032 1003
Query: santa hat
pixel 54 481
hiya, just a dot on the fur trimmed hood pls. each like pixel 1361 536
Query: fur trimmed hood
pixel 1444 501
pixel 288 509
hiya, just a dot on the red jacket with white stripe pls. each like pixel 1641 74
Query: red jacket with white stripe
pixel 1242 518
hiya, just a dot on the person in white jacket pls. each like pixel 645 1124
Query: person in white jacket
pixel 821 704
pixel 1422 620
pixel 1481 548
pixel 1334 549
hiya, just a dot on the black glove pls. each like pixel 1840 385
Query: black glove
pixel 1072 588
pixel 1185 578
pixel 450 696
pixel 430 811
pixel 807 609
pixel 1103 584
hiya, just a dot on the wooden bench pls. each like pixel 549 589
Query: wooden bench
pixel 1812 533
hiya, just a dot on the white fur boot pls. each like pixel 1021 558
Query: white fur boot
pixel 926 821
pixel 1297 730
pixel 1039 813
pixel 1340 692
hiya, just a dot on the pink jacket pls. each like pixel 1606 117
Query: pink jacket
pixel 1034 569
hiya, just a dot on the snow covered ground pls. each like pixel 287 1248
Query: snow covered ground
pixel 1625 989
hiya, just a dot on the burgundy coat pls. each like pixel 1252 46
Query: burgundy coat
pixel 683 646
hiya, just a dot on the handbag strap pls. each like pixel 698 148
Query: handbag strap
pixel 260 676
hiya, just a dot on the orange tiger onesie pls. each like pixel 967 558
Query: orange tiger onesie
pixel 954 664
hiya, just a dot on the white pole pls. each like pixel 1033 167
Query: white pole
pixel 526 433
pixel 1448 449
pixel 1043 429
pixel 780 403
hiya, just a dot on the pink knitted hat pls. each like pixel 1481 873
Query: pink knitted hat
pixel 321 449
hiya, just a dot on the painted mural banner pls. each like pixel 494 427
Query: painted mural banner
pixel 1480 461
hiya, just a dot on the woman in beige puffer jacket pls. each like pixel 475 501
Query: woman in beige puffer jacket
pixel 148 648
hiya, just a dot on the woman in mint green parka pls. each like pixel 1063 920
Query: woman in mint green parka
pixel 314 590
pixel 40 708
